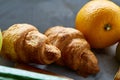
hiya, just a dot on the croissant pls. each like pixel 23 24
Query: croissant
pixel 24 43
pixel 75 50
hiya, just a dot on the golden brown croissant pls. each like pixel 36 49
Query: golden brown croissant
pixel 24 43
pixel 75 50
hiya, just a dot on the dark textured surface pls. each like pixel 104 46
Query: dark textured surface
pixel 41 13
pixel 47 13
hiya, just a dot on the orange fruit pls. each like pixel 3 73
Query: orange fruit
pixel 99 21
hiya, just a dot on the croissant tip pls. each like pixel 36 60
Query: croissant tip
pixel 52 53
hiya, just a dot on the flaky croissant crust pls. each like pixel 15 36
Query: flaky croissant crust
pixel 75 50
pixel 24 43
